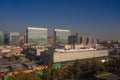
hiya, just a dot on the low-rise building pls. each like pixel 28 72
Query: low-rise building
pixel 66 55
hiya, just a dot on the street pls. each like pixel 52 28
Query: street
pixel 110 77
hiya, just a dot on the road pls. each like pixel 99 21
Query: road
pixel 113 76
pixel 110 77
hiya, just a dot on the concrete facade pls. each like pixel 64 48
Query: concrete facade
pixel 62 57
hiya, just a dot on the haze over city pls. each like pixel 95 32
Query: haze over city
pixel 97 18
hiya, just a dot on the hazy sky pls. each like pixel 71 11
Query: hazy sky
pixel 97 18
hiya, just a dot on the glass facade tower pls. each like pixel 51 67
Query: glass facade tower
pixel 61 36
pixel 36 36
pixel 1 37
pixel 14 37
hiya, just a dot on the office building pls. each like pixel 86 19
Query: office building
pixel 1 37
pixel 59 56
pixel 83 40
pixel 63 56
pixel 50 40
pixel 77 38
pixel 14 37
pixel 36 36
pixel 61 36
pixel 25 38
pixel 88 40
pixel 74 39
pixel 6 38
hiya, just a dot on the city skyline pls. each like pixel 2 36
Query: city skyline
pixel 96 18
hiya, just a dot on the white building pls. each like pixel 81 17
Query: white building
pixel 76 55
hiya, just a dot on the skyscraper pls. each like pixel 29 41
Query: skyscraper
pixel 14 37
pixel 61 36
pixel 1 37
pixel 77 38
pixel 82 40
pixel 74 39
pixel 36 36
pixel 6 38
pixel 89 40
pixel 50 40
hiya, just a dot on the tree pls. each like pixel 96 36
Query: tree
pixel 76 70
pixel 25 76
pixel 47 73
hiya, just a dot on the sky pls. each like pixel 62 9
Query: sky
pixel 96 18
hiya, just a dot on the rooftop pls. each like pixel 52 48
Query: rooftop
pixel 36 28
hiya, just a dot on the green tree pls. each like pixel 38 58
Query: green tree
pixel 76 70
pixel 25 76
pixel 47 73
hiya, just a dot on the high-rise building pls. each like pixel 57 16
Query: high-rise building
pixel 36 36
pixel 6 38
pixel 74 39
pixel 25 38
pixel 1 37
pixel 61 36
pixel 50 40
pixel 89 40
pixel 14 37
pixel 82 40
pixel 77 38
